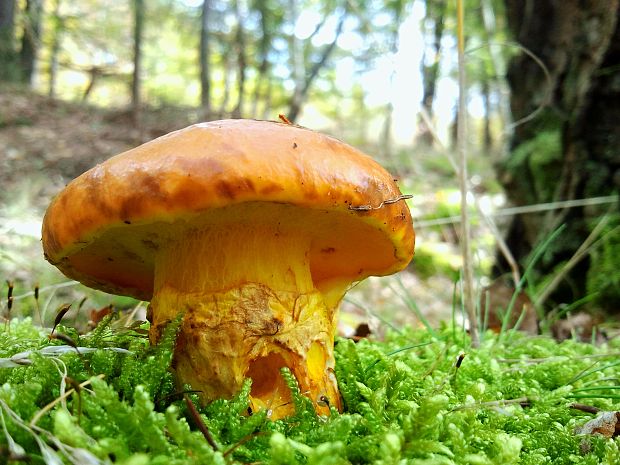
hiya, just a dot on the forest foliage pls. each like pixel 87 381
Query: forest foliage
pixel 380 74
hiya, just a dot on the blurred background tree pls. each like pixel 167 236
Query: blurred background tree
pixel 568 145
pixel 81 81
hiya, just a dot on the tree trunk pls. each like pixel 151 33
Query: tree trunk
pixel 94 74
pixel 296 60
pixel 8 68
pixel 136 97
pixel 57 29
pixel 205 77
pixel 569 150
pixel 498 76
pixel 241 61
pixel 386 136
pixel 228 72
pixel 435 12
pixel 263 47
pixel 487 138
pixel 30 40
pixel 301 95
pixel 266 114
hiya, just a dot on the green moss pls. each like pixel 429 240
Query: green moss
pixel 507 403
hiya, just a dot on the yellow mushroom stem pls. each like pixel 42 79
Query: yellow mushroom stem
pixel 251 308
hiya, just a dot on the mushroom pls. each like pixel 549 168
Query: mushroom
pixel 254 230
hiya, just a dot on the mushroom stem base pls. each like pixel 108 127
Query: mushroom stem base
pixel 250 308
pixel 253 332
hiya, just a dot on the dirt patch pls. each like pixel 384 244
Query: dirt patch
pixel 56 140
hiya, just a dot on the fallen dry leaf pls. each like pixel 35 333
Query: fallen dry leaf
pixel 606 424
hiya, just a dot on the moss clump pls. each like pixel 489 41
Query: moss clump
pixel 508 402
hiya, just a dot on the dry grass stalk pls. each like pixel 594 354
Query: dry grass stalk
pixel 468 268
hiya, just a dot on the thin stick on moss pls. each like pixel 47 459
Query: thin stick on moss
pixel 494 403
pixel 199 423
pixel 585 408
pixel 557 358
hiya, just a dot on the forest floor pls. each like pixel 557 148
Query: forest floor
pixel 58 140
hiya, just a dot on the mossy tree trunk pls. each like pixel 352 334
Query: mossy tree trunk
pixel 570 149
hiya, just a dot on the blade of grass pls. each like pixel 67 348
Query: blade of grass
pixel 596 388
pixel 536 255
pixel 397 351
pixel 576 258
pixel 406 298
pixel 454 295
pixel 587 396
pixel 588 371
pixel 373 314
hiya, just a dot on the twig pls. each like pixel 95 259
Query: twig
pixel 546 97
pixel 585 408
pixel 494 403
pixel 468 270
pixel 535 208
pixel 501 243
pixel 51 287
pixel 199 423
pixel 557 358
pixel 381 205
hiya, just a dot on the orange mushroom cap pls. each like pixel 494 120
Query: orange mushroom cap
pixel 105 226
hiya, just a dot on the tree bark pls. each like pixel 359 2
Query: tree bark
pixel 570 149
pixel 205 74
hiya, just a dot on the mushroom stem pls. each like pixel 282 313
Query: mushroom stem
pixel 251 308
